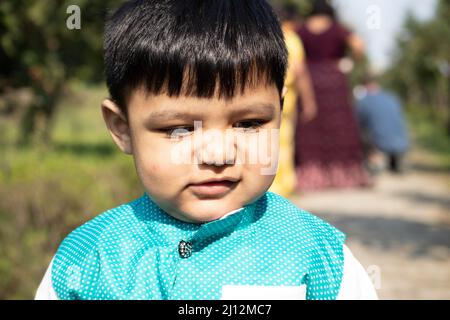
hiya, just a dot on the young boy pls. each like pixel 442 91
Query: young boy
pixel 196 88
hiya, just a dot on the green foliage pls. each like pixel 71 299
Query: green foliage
pixel 39 51
pixel 303 6
pixel 36 42
pixel 420 72
pixel 429 133
pixel 45 192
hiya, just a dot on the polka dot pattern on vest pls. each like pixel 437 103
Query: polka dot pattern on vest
pixel 133 252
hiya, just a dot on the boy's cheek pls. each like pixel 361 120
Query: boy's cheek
pixel 155 167
pixel 161 169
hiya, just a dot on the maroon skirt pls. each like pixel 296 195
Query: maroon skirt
pixel 328 152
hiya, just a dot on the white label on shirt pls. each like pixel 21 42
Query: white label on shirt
pixel 233 292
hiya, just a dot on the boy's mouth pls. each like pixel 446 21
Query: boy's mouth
pixel 213 187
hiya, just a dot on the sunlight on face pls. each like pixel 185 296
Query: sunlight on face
pixel 182 143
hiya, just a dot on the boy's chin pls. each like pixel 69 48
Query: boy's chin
pixel 204 213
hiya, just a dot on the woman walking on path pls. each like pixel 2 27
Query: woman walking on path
pixel 297 86
pixel 328 150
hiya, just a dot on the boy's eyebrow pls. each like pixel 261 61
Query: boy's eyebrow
pixel 266 109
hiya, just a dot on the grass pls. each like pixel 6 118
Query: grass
pixel 47 191
pixel 429 133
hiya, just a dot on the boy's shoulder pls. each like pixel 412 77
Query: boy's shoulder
pixel 85 239
pixel 93 228
pixel 282 213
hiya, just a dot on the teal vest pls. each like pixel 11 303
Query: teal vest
pixel 137 251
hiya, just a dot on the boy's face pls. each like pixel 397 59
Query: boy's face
pixel 180 144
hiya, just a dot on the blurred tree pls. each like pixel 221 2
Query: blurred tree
pixel 420 71
pixel 303 6
pixel 39 51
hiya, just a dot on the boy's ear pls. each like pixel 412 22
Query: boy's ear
pixel 117 125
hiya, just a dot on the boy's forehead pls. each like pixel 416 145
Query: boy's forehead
pixel 264 99
pixel 266 109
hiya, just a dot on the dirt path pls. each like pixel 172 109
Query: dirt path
pixel 399 230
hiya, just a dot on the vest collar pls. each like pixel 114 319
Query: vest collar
pixel 202 234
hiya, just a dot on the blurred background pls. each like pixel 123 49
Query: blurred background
pixel 59 167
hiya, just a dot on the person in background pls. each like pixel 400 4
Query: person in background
pixel 297 83
pixel 328 149
pixel 384 131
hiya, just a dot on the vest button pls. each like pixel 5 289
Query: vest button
pixel 184 249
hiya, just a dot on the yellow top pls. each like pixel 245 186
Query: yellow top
pixel 285 180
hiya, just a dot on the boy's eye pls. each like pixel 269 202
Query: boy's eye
pixel 178 132
pixel 184 131
pixel 249 125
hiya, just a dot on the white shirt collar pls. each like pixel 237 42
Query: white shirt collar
pixel 231 212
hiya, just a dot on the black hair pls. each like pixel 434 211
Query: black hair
pixel 192 47
pixel 323 7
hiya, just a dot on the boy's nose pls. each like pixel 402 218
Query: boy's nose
pixel 216 148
